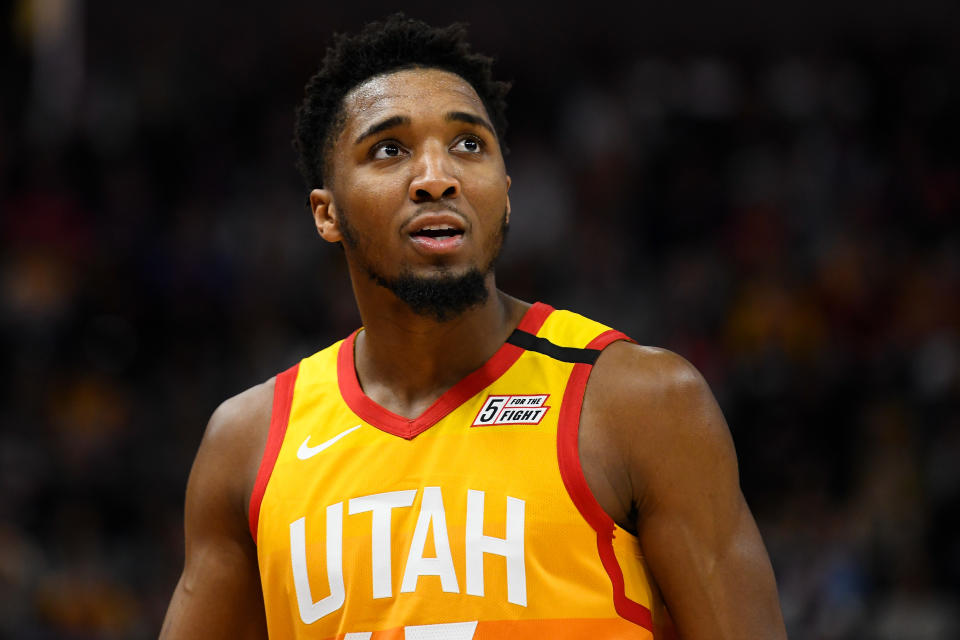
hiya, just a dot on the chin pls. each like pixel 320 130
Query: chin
pixel 442 293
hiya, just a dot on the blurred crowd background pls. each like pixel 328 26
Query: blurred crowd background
pixel 771 191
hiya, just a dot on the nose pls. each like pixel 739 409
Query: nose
pixel 434 179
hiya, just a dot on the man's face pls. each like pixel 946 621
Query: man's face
pixel 418 192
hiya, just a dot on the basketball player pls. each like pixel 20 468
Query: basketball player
pixel 466 465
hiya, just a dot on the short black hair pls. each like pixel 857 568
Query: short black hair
pixel 395 43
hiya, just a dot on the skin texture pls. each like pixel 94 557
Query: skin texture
pixel 654 446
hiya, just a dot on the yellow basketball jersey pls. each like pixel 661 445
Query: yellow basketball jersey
pixel 473 520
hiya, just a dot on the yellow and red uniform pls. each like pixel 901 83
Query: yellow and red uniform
pixel 472 520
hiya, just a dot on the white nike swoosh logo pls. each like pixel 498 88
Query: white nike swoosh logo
pixel 306 451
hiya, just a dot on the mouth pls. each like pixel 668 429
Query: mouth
pixel 437 233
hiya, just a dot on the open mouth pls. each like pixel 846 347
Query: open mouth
pixel 439 232
pixel 441 235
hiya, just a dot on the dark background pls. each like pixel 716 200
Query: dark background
pixel 769 189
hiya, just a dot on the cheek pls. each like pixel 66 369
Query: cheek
pixel 376 194
pixel 489 192
pixel 368 204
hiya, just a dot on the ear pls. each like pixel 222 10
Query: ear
pixel 325 215
pixel 508 199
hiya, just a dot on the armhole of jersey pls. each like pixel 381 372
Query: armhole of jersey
pixel 568 457
pixel 279 417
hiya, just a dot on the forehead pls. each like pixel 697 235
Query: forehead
pixel 416 93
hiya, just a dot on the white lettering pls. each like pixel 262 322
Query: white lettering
pixel 430 519
pixel 382 506
pixel 431 514
pixel 510 547
pixel 311 611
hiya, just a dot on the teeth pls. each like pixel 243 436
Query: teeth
pixel 438 227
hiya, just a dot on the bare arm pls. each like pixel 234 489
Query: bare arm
pixel 219 593
pixel 659 457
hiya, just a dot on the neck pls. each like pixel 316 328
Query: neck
pixel 405 361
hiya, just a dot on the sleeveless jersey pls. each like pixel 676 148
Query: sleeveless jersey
pixel 473 520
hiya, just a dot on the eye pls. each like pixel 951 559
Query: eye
pixel 469 144
pixel 386 149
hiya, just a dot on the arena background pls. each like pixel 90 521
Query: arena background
pixel 769 189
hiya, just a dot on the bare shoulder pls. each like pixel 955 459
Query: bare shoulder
pixel 649 417
pixel 236 436
pixel 659 389
pixel 631 372
pixel 244 414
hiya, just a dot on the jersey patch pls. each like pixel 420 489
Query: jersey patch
pixel 514 409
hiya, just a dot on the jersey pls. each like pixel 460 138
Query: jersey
pixel 473 520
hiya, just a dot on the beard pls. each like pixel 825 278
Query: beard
pixel 443 295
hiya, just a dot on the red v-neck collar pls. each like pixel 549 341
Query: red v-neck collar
pixel 388 421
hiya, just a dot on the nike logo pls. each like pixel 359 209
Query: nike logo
pixel 306 451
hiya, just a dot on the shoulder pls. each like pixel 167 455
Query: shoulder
pixel 630 376
pixel 243 412
pixel 655 393
pixel 234 440
pixel 242 416
pixel 649 418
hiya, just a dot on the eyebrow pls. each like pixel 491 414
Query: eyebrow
pixel 469 118
pixel 383 125
pixel 396 121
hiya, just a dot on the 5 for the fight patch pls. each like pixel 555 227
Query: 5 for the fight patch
pixel 528 409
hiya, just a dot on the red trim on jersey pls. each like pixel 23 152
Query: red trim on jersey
pixel 568 457
pixel 386 420
pixel 280 416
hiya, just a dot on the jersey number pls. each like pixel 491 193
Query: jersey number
pixel 445 631
pixel 490 409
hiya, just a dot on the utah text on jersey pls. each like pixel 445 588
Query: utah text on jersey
pixel 431 521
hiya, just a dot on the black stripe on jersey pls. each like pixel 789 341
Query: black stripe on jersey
pixel 530 342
